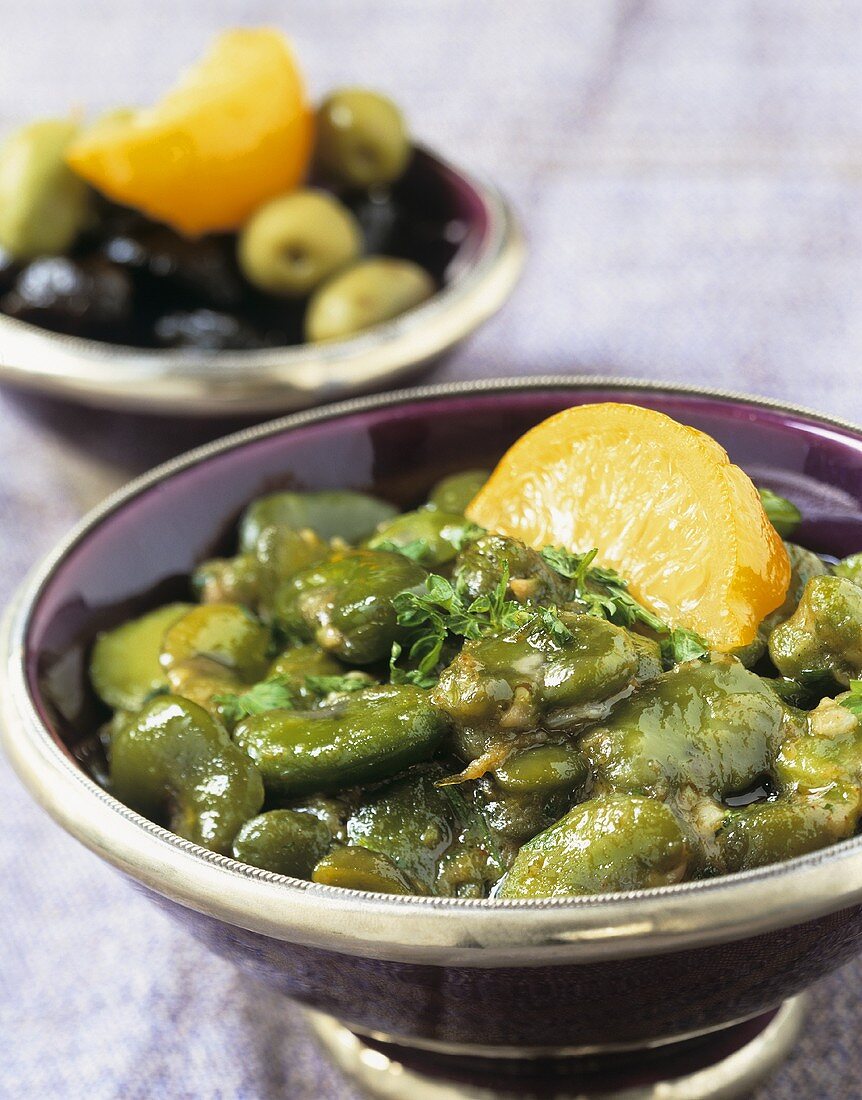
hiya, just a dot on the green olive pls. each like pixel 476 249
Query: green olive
pixel 43 204
pixel 607 844
pixel 173 762
pixel 222 632
pixel 362 140
pixel 454 493
pixel 292 243
pixel 355 868
pixel 363 737
pixel 284 841
pixel 370 293
pixel 125 666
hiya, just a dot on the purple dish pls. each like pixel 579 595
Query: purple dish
pixel 579 975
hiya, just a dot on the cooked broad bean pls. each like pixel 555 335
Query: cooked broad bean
pixel 823 636
pixel 454 493
pixel 344 603
pixel 172 762
pixel 367 736
pixel 607 844
pixel 432 538
pixel 221 632
pixel 484 562
pixel 356 868
pixel 714 727
pixel 329 513
pixel 284 841
pixel 125 666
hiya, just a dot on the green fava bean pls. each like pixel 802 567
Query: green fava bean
pixel 784 516
pixel 824 633
pixel 283 841
pixel 482 564
pixel 369 293
pixel 330 513
pixel 354 868
pixel 173 762
pixel 221 632
pixel 125 666
pixel 366 736
pixel 851 568
pixel 804 564
pixel 456 492
pixel 433 538
pixel 544 770
pixel 345 603
pixel 295 664
pixel 410 820
pixel 827 753
pixel 43 204
pixel 712 726
pixel 228 580
pixel 774 831
pixel 293 242
pixel 361 139
pixel 516 681
pixel 204 681
pixel 605 845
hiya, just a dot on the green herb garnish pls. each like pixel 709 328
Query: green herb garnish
pixel 274 694
pixel 605 595
pixel 853 701
pixel 439 612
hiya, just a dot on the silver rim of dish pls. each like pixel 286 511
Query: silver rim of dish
pixel 449 931
pixel 275 379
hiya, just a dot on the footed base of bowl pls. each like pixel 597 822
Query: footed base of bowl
pixel 719 1065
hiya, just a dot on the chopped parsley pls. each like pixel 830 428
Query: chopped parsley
pixel 432 616
pixel 605 594
pixel 279 693
pixel 853 700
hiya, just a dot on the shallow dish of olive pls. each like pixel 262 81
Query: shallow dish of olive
pixel 586 972
pixel 332 257
pixel 466 233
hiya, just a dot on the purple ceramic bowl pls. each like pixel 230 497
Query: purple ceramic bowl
pixel 583 973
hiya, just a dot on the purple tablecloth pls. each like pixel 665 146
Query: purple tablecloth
pixel 690 178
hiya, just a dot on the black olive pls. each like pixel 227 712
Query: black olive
pixel 199 272
pixel 87 297
pixel 378 218
pixel 8 271
pixel 205 329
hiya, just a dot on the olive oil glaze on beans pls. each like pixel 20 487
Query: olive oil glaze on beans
pixel 407 703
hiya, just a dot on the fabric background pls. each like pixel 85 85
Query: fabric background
pixel 690 178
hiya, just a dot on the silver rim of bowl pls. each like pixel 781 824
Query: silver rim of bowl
pixel 275 379
pixel 448 931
